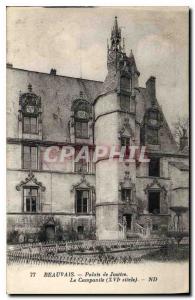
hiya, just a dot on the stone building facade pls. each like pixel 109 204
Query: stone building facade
pixel 106 199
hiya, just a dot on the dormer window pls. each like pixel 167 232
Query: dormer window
pixel 149 133
pixel 30 112
pixel 81 116
pixel 152 136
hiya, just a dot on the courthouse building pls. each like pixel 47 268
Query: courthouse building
pixel 86 200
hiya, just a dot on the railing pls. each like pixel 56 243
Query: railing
pixel 143 232
pixel 84 252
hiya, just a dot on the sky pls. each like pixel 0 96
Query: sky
pixel 74 41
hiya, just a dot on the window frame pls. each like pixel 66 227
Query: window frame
pixel 23 161
pixel 31 196
pixel 122 194
pixel 30 117
pixel 81 121
pixel 150 192
pixel 149 167
pixel 82 212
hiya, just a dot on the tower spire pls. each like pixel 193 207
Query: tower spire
pixel 116 36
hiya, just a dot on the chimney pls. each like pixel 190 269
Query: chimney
pixel 8 65
pixel 53 71
pixel 151 87
pixel 183 142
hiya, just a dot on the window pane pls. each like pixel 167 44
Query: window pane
pixel 33 165
pixel 26 162
pixel 79 201
pixel 26 191
pixel 33 125
pixel 84 129
pixel 85 205
pixel 33 203
pixel 126 194
pixel 81 129
pixel 81 166
pixel 85 194
pixel 154 202
pixel 82 197
pixel 33 157
pixel 26 149
pixel 26 124
pixel 29 157
pixel 154 167
pixel 34 191
pixel 28 204
pixel 29 124
pixel 78 129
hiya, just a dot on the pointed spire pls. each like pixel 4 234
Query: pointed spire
pixel 115 24
pixel 131 54
pixel 116 36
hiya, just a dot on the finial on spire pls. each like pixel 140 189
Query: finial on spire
pixel 116 37
pixel 131 53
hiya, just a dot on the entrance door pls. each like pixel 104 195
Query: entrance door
pixel 128 220
pixel 50 232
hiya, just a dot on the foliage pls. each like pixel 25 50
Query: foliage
pixel 180 127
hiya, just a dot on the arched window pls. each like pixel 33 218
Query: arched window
pixel 151 125
pixel 82 114
pixel 30 111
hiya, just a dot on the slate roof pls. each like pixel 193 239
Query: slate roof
pixel 57 94
pixel 180 165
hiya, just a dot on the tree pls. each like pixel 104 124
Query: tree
pixel 181 128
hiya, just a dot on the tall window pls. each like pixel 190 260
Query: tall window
pixel 154 202
pixel 154 167
pixel 29 124
pixel 126 195
pixel 30 157
pixel 82 201
pixel 81 128
pixel 81 166
pixel 30 199
pixel 152 136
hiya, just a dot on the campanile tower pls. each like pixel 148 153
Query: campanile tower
pixel 115 110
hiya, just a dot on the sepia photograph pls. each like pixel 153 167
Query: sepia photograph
pixel 97 128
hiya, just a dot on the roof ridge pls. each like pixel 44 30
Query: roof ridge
pixel 25 70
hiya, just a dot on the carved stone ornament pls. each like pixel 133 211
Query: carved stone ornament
pixel 155 185
pixel 29 102
pixel 81 107
pixel 126 130
pixel 30 178
pixel 83 183
pixel 127 182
